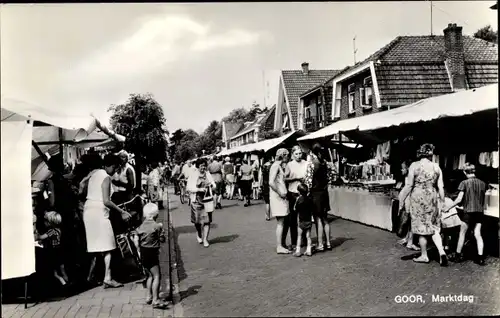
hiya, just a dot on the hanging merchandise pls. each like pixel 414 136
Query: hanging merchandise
pixel 383 152
pixel 455 162
pixel 494 159
pixel 461 161
pixel 483 158
pixel 435 159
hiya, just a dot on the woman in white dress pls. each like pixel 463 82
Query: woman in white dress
pixel 98 230
pixel 277 197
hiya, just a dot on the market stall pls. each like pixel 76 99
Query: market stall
pixel 368 188
pixel 29 132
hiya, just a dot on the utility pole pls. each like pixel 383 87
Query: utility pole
pixel 354 48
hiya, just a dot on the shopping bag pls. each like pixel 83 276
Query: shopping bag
pixel 404 223
pixel 208 201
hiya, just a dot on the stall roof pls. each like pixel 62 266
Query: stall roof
pixel 450 105
pixel 264 145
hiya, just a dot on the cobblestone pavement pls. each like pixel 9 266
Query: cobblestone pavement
pixel 241 275
pixel 98 302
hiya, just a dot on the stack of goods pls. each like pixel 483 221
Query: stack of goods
pixel 369 172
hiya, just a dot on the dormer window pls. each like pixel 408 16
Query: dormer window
pixel 366 93
pixel 351 95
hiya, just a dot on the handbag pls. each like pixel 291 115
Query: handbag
pixel 404 223
pixel 208 201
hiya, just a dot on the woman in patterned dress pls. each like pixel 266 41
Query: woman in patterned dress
pixel 426 195
pixel 277 197
pixel 198 184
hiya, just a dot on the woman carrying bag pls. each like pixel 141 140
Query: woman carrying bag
pixel 200 184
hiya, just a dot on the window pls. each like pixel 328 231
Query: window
pixel 308 113
pixel 320 114
pixel 318 101
pixel 366 92
pixel 351 95
pixel 285 121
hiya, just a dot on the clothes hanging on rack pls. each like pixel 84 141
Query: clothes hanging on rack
pixel 461 161
pixel 485 159
pixel 383 152
pixel 494 159
pixel 455 162
pixel 435 158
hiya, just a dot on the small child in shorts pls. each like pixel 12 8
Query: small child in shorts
pixel 148 239
pixel 304 208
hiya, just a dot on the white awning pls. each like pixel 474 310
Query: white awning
pixel 264 145
pixel 450 105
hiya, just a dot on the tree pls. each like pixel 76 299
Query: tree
pixel 486 33
pixel 175 140
pixel 212 136
pixel 188 147
pixel 141 120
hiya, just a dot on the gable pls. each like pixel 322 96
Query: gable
pixel 295 83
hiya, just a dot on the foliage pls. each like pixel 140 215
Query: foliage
pixel 486 33
pixel 141 120
pixel 263 135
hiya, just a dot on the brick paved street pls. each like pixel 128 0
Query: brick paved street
pixel 241 275
pixel 98 302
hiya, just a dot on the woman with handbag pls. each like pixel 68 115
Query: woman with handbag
pixel 200 184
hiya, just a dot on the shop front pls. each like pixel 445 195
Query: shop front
pixel 463 128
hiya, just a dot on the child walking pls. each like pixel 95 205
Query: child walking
pixel 304 207
pixel 472 196
pixel 451 226
pixel 148 239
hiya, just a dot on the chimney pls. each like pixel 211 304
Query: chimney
pixel 455 61
pixel 305 68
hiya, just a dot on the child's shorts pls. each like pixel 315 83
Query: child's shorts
pixel 150 257
pixel 305 225
pixel 451 221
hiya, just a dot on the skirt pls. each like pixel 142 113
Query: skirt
pixel 278 205
pixel 230 178
pixel 98 230
pixel 198 213
pixel 321 203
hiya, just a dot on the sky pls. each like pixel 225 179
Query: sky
pixel 199 60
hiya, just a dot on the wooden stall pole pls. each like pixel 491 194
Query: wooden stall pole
pixel 61 146
pixel 341 165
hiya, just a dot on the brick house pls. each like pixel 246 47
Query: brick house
pixel 408 69
pixel 238 134
pixel 292 84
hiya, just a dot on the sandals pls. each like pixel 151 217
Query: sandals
pixel 308 253
pixel 112 284
pixel 160 305
pixel 283 251
pixel 297 254
pixel 444 261
pixel 419 260
pixel 149 301
pixel 320 248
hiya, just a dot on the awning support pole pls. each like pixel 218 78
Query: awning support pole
pixel 61 146
pixel 341 165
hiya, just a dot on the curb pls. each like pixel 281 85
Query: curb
pixel 174 273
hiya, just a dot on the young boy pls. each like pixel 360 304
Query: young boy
pixel 472 196
pixel 148 239
pixel 304 207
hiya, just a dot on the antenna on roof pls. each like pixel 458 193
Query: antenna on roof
pixel 431 18
pixel 354 48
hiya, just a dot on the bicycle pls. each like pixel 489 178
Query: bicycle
pixel 125 241
pixel 184 196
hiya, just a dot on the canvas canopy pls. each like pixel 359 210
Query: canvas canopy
pixel 458 104
pixel 18 132
pixel 264 145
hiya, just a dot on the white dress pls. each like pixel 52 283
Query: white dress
pixel 98 230
pixel 278 205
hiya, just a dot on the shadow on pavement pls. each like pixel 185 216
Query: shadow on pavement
pixel 193 290
pixel 224 239
pixel 331 218
pixel 230 205
pixel 181 271
pixel 336 242
pixel 185 229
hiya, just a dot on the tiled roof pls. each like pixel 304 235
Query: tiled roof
pixel 296 83
pixel 480 74
pixel 247 127
pixel 232 129
pixel 268 121
pixel 404 84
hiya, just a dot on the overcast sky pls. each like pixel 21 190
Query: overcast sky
pixel 199 60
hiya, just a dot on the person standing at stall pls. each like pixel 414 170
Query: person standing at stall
pixel 264 183
pixel 317 180
pixel 246 181
pixel 472 194
pixel 124 180
pixel 295 173
pixel 278 197
pixel 99 232
pixel 215 169
pixel 229 178
pixel 425 190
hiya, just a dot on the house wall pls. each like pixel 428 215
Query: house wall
pixel 249 137
pixel 344 105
